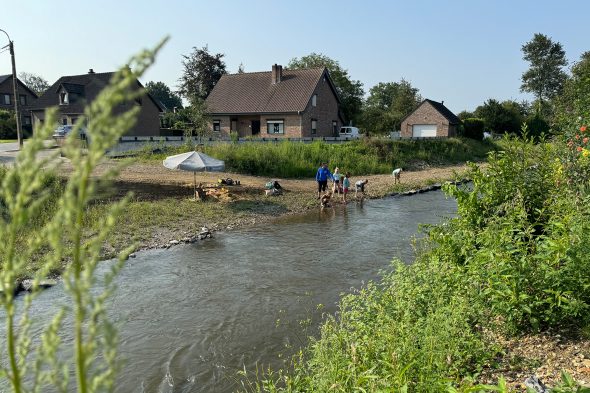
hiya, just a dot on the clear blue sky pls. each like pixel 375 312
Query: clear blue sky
pixel 462 52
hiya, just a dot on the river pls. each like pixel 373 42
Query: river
pixel 190 317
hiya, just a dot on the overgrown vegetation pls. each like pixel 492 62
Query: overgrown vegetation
pixel 513 261
pixel 372 156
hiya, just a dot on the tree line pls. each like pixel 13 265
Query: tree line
pixel 557 94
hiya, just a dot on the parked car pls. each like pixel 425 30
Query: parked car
pixel 349 132
pixel 62 132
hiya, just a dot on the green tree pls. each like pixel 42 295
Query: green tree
pixel 7 124
pixel 350 91
pixel 545 76
pixel 161 92
pixel 387 104
pixel 34 82
pixel 573 106
pixel 202 71
pixel 193 120
pixel 502 117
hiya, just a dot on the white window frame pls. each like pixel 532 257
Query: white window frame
pixel 314 126
pixel 22 99
pixel 6 98
pixel 63 98
pixel 278 126
pixel 216 125
pixel 314 100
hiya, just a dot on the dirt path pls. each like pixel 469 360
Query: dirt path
pixel 145 179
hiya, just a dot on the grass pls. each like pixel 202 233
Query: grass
pixel 364 157
pixel 8 140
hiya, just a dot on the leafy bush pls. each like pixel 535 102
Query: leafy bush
pixel 473 128
pixel 514 259
pixel 7 125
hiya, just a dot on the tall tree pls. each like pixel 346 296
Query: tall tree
pixel 201 72
pixel 34 82
pixel 387 104
pixel 350 91
pixel 161 92
pixel 241 68
pixel 545 76
pixel 573 106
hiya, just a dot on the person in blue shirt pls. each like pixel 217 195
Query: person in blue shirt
pixel 322 177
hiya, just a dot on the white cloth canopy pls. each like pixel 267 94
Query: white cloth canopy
pixel 194 161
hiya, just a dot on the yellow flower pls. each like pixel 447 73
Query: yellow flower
pixel 585 152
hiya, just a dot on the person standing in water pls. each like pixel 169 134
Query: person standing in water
pixel 322 176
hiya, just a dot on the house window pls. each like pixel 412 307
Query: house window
pixel 314 100
pixel 275 126
pixel 216 125
pixel 64 121
pixel 23 99
pixel 335 127
pixel 63 98
pixel 6 99
pixel 314 126
pixel 27 120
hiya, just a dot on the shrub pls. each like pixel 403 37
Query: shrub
pixel 473 128
pixel 7 125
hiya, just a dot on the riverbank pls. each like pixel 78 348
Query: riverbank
pixel 163 212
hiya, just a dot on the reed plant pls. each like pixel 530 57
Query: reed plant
pixel 28 200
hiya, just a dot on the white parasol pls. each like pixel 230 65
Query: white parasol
pixel 194 161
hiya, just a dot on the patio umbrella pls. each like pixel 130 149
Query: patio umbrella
pixel 194 161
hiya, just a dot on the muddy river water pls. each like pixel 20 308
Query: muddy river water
pixel 190 317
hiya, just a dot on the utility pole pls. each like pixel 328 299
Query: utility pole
pixel 15 91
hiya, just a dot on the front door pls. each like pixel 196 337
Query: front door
pixel 255 127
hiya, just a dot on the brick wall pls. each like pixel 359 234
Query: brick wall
pixel 325 112
pixel 427 114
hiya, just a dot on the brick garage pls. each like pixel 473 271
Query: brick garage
pixel 276 104
pixel 430 119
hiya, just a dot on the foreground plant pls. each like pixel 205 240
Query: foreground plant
pixel 33 368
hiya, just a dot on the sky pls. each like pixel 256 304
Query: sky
pixel 459 52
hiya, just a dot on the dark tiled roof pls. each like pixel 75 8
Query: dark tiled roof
pixel 86 88
pixel 74 88
pixel 20 84
pixel 446 112
pixel 255 93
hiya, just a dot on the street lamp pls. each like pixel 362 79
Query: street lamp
pixel 14 89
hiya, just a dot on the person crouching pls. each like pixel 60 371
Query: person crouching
pixel 325 199
pixel 397 173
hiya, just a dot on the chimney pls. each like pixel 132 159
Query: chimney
pixel 442 102
pixel 277 73
pixel 91 71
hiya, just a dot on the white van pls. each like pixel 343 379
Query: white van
pixel 349 132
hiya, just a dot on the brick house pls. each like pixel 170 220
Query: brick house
pixel 430 119
pixel 278 103
pixel 70 94
pixel 26 99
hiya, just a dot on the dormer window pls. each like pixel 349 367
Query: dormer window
pixel 63 98
pixel 314 100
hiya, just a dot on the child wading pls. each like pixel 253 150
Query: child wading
pixel 336 176
pixel 345 186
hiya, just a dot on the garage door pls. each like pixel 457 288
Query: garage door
pixel 423 130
